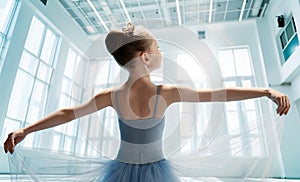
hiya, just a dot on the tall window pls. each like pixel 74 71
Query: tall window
pixel 241 116
pixel 29 95
pixel 189 71
pixel 109 76
pixel 288 39
pixel 7 9
pixel 65 136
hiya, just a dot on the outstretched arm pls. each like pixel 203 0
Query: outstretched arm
pixel 181 94
pixel 101 100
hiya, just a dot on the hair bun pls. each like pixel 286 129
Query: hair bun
pixel 116 38
pixel 113 41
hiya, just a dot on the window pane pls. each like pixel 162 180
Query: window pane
pixel 34 36
pixel 6 7
pixel 64 101
pixel 60 128
pixel 231 106
pixel 29 140
pixel 9 126
pixel 66 86
pixel 37 103
pixel 49 47
pixel 68 144
pixel 233 123
pixel 71 128
pixel 256 147
pixel 44 72
pixel 283 40
pixel 247 83
pixel 226 61
pixel 56 142
pixel 249 104
pixel 242 62
pixel 289 31
pixel 19 98
pixel 252 122
pixel 28 63
pixel 189 67
pixel 76 91
pixel 80 146
pixel 230 84
pixel 103 75
pixel 115 69
pixel 70 64
pixel 236 147
pixel 294 43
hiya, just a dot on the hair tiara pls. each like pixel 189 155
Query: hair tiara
pixel 129 28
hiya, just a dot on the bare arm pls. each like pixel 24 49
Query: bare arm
pixel 181 94
pixel 101 100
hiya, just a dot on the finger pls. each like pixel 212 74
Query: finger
pixel 5 147
pixel 10 143
pixel 288 105
pixel 278 105
pixel 281 105
pixel 12 139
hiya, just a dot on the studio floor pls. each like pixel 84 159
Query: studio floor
pixel 7 178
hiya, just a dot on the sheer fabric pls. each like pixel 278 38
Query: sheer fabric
pixel 212 159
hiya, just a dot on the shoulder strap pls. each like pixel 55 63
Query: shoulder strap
pixel 117 103
pixel 156 101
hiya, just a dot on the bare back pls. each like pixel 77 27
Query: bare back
pixel 139 102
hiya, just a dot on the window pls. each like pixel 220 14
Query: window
pixel 191 73
pixel 288 39
pixel 109 75
pixel 7 10
pixel 241 116
pixel 29 95
pixel 65 136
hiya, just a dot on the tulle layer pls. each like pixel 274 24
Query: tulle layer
pixel 160 171
pixel 221 156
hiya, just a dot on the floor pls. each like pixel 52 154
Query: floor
pixel 7 178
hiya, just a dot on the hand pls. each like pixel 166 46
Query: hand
pixel 282 101
pixel 13 139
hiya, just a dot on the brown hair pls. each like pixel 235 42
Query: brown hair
pixel 123 45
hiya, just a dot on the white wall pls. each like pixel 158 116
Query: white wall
pixel 288 72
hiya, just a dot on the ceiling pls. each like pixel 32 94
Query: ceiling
pixel 100 16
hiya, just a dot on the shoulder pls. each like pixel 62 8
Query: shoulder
pixel 169 92
pixel 104 97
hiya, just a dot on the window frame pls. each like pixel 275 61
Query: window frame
pixel 282 47
pixel 241 110
pixel 34 76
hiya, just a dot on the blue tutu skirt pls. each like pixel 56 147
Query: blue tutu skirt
pixel 160 171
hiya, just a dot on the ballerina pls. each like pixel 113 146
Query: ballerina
pixel 141 105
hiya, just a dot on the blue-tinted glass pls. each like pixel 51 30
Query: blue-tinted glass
pixel 283 40
pixel 291 47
